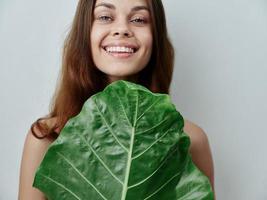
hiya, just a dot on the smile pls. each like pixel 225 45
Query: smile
pixel 120 51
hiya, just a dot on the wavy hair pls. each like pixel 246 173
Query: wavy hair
pixel 79 77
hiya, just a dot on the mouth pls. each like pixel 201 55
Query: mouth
pixel 120 51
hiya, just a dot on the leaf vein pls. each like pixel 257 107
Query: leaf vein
pixel 101 161
pixel 140 182
pixel 110 130
pixel 148 108
pixel 92 185
pixel 61 185
pixel 162 186
pixel 129 161
pixel 123 109
pixel 165 133
pixel 153 127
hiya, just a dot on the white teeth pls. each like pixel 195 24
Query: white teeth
pixel 119 49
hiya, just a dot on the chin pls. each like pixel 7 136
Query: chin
pixel 120 71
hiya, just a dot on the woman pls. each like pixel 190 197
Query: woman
pixel 109 40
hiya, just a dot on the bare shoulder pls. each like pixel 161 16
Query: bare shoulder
pixel 33 152
pixel 196 133
pixel 200 149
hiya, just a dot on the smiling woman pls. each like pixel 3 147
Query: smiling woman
pixel 110 40
pixel 121 38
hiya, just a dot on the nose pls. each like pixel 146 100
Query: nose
pixel 123 33
pixel 121 29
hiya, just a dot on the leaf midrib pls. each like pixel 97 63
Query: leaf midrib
pixel 129 161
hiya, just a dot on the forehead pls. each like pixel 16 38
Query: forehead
pixel 125 5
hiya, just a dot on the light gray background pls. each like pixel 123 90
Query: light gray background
pixel 219 82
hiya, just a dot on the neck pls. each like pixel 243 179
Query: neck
pixel 132 78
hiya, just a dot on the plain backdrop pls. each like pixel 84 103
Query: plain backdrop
pixel 219 82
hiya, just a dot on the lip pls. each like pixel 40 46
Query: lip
pixel 121 44
pixel 119 55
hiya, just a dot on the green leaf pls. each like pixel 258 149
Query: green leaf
pixel 127 143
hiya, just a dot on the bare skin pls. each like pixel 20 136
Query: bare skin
pixel 200 150
pixel 35 149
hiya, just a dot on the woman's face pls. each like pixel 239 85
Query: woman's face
pixel 121 37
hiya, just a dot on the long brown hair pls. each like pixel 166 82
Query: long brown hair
pixel 80 79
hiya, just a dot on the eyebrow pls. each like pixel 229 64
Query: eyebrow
pixel 111 6
pixel 107 5
pixel 137 8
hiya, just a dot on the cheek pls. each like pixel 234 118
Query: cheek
pixel 148 43
pixel 146 39
pixel 96 37
pixel 149 38
pixel 94 42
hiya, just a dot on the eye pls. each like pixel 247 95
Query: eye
pixel 104 18
pixel 139 20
